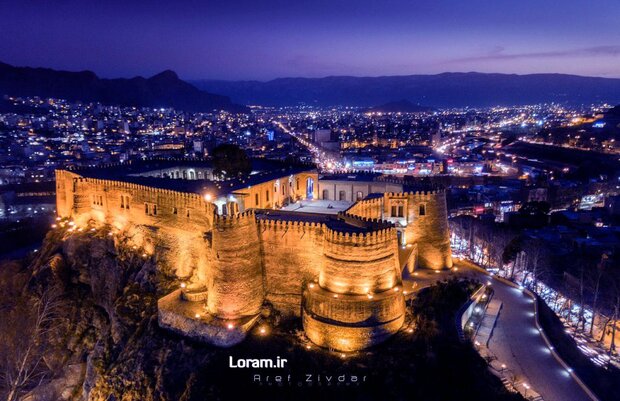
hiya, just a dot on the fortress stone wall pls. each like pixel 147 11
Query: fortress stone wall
pixel 292 258
pixel 341 274
pixel 424 217
pixel 173 227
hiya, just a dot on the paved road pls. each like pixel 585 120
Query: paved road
pixel 517 342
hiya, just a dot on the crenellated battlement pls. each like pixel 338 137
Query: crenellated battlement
pixel 231 220
pixel 353 238
pixel 145 189
pixel 364 221
pixel 268 223
pixel 371 201
pixel 427 192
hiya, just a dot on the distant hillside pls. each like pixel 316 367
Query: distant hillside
pixel 162 90
pixel 614 111
pixel 400 106
pixel 442 90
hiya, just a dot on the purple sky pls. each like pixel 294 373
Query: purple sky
pixel 265 39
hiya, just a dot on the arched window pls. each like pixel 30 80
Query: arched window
pixel 310 188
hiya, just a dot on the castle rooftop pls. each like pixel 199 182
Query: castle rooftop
pixel 137 172
pixel 341 222
pixel 352 176
pixel 320 206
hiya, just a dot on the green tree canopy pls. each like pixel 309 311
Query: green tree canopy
pixel 535 208
pixel 513 248
pixel 230 161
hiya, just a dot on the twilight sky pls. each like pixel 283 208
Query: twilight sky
pixel 265 39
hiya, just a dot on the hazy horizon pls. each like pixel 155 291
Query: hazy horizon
pixel 304 77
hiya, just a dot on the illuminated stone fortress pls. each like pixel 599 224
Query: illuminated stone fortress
pixel 330 250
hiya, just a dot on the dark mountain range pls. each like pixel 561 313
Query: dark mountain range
pixel 442 90
pixel 400 106
pixel 162 90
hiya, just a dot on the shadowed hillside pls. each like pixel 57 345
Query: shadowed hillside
pixel 441 90
pixel 162 90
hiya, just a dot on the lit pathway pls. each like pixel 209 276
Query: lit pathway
pixel 517 342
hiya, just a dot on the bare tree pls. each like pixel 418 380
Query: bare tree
pixel 614 318
pixel 510 254
pixel 24 332
pixel 533 261
pixel 581 320
pixel 600 269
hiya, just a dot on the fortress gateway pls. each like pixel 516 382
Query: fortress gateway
pixel 331 250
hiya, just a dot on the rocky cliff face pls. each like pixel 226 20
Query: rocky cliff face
pixel 107 344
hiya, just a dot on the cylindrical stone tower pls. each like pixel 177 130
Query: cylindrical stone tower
pixel 429 228
pixel 357 301
pixel 235 281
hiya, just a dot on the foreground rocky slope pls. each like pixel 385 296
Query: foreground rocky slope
pixel 80 316
pixel 102 342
